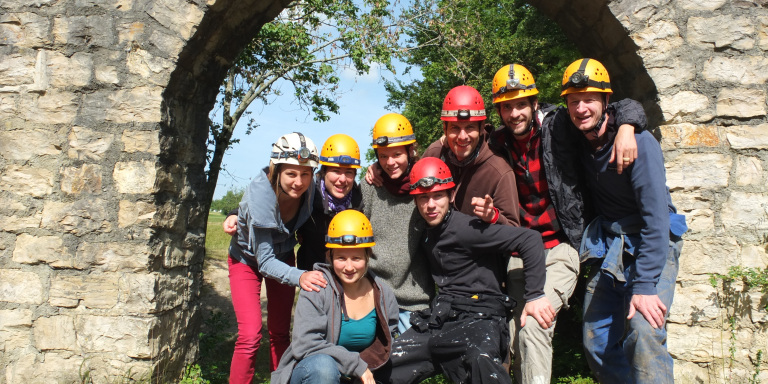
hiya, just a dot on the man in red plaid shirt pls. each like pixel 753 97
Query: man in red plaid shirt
pixel 552 200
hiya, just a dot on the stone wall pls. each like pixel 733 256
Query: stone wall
pixel 103 107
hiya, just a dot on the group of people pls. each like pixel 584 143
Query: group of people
pixel 458 261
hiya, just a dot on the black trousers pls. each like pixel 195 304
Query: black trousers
pixel 467 348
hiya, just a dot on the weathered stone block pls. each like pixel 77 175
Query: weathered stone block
pixel 690 200
pixel 130 335
pixel 55 332
pixel 24 29
pixel 20 287
pixel 749 171
pixel 732 32
pixel 138 105
pixel 700 220
pixel 14 224
pixel 177 15
pixel 685 105
pixel 52 367
pixel 86 31
pixel 690 373
pixel 115 256
pixel 135 177
pixel 152 69
pixel 94 290
pixel 25 180
pixel 715 254
pixel 43 249
pixel 15 329
pixel 695 304
pixel 746 213
pixel 762 32
pixel 78 218
pixel 74 71
pixel 689 136
pixel 169 44
pixel 135 213
pixel 141 141
pixel 18 69
pixel 658 42
pixel 741 102
pixel 671 73
pixel 170 216
pixel 154 293
pixel 107 74
pixel 87 144
pixel 702 346
pixel 698 170
pixel 741 69
pixel 747 136
pixel 52 107
pixel 24 144
pixel 77 180
pixel 700 5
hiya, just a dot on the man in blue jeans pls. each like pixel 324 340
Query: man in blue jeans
pixel 632 246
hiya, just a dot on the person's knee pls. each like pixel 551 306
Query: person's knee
pixel 248 341
pixel 320 368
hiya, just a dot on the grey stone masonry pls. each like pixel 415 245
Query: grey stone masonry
pixel 103 111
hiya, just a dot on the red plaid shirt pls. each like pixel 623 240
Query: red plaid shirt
pixel 536 209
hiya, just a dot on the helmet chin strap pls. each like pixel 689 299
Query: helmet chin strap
pixel 527 130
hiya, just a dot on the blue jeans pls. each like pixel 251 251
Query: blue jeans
pixel 316 369
pixel 403 321
pixel 627 351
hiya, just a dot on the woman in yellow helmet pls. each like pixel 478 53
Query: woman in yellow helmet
pixel 397 257
pixel 345 329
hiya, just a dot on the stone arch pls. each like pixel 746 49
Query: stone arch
pixel 103 108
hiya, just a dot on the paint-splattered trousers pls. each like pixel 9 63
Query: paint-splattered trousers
pixel 621 350
pixel 468 347
pixel 531 346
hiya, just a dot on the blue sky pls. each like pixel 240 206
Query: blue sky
pixel 361 102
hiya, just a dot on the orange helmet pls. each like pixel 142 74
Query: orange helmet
pixel 392 130
pixel 463 103
pixel 586 75
pixel 430 174
pixel 340 150
pixel 511 82
pixel 349 229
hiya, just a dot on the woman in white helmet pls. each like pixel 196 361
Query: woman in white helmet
pixel 276 203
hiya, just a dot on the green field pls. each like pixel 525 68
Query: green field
pixel 216 241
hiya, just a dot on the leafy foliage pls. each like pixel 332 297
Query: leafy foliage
pixel 457 42
pixel 304 49
pixel 228 202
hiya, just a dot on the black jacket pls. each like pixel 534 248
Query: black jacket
pixel 468 256
pixel 561 162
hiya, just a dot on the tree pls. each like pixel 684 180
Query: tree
pixel 304 46
pixel 457 42
pixel 229 201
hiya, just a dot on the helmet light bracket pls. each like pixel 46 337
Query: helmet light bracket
pixel 385 140
pixel 349 239
pixel 429 181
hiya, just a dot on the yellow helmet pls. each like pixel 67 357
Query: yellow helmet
pixel 392 130
pixel 349 229
pixel 586 75
pixel 340 150
pixel 511 82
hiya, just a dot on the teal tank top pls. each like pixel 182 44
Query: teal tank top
pixel 357 335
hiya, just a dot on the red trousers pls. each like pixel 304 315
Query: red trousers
pixel 245 283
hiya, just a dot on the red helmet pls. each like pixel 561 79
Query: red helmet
pixel 430 174
pixel 463 103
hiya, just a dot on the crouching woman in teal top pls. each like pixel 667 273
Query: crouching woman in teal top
pixel 343 333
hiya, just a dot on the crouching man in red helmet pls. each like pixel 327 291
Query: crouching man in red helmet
pixel 464 333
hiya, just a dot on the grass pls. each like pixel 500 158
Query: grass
pixel 216 241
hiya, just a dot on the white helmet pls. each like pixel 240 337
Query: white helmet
pixel 294 148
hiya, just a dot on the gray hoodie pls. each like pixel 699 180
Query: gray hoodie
pixel 262 238
pixel 317 323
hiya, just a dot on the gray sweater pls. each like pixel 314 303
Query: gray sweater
pixel 397 257
pixel 317 324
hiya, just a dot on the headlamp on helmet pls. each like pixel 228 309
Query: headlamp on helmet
pixel 429 181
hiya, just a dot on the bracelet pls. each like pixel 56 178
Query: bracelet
pixel 495 215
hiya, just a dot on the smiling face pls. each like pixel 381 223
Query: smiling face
pixel 585 109
pixel 462 137
pixel 517 114
pixel 339 181
pixel 394 160
pixel 350 264
pixel 433 206
pixel 294 179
